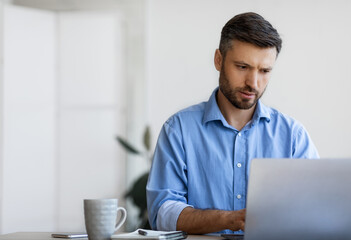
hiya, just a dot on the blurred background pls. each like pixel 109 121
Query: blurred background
pixel 74 74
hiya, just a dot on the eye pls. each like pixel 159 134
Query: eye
pixel 266 70
pixel 242 67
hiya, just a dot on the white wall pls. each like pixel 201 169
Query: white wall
pixel 29 120
pixel 64 103
pixel 1 107
pixel 311 80
pixel 91 112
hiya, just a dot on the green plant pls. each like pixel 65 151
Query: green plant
pixel 137 193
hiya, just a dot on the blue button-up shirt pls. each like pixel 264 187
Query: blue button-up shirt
pixel 203 162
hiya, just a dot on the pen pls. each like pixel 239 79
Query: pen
pixel 163 235
pixel 142 232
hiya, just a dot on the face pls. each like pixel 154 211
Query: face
pixel 244 73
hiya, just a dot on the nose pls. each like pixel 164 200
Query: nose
pixel 252 79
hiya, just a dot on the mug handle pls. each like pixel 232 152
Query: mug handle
pixel 122 219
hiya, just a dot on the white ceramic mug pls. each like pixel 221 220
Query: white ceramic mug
pixel 101 218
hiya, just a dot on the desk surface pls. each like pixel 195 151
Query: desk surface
pixel 47 236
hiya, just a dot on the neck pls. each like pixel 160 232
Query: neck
pixel 235 117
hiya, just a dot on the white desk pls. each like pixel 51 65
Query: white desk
pixel 47 236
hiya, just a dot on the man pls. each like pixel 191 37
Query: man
pixel 198 180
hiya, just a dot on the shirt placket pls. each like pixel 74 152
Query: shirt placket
pixel 239 171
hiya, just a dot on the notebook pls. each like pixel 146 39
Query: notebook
pixel 299 199
pixel 143 234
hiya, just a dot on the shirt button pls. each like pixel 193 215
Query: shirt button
pixel 238 165
pixel 238 196
pixel 239 134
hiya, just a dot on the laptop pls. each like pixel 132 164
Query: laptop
pixel 298 199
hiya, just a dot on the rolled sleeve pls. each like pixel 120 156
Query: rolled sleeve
pixel 168 214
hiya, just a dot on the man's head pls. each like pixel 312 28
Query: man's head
pixel 247 52
pixel 250 28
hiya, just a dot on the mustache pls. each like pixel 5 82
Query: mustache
pixel 248 89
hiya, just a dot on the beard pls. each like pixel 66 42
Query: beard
pixel 232 94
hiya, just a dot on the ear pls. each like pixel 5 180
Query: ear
pixel 218 60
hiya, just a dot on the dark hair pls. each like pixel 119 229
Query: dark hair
pixel 251 28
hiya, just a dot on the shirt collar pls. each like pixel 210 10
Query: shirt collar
pixel 212 111
pixel 261 112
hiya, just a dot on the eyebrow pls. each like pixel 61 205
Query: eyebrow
pixel 248 65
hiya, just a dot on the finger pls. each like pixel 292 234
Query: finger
pixel 243 226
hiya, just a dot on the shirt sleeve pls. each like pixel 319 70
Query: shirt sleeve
pixel 303 145
pixel 168 214
pixel 168 177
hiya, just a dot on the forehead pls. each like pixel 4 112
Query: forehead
pixel 251 54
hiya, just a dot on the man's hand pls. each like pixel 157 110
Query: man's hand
pixel 237 219
pixel 194 221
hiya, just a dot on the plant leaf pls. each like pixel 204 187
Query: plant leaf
pixel 138 194
pixel 127 145
pixel 147 138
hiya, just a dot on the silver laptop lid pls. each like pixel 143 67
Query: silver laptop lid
pixel 299 199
